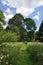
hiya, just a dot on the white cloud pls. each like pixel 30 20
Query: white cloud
pixel 8 11
pixel 23 6
pixel 24 11
pixel 4 2
pixel 40 2
pixel 24 3
pixel 9 16
pixel 36 17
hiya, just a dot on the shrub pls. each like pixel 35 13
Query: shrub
pixel 8 54
pixel 8 36
pixel 36 52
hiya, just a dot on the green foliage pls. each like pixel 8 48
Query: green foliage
pixel 18 53
pixel 8 36
pixel 37 36
pixel 18 22
pixel 2 17
pixel 1 14
pixel 30 36
pixel 8 54
pixel 36 53
pixel 15 24
pixel 2 21
pixel 1 28
pixel 30 26
pixel 41 32
pixel 17 27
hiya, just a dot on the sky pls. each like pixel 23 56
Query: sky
pixel 28 8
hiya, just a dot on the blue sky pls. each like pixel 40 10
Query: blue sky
pixel 28 8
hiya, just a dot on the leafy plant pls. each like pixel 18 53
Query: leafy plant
pixel 36 52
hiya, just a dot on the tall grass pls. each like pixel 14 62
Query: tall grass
pixel 20 53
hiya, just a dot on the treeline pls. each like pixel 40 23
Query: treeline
pixel 19 29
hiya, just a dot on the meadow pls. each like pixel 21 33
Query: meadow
pixel 21 53
pixel 20 41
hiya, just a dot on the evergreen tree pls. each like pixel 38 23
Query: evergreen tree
pixel 41 32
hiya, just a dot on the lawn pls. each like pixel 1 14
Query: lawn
pixel 18 53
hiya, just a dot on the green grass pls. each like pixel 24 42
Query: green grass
pixel 23 57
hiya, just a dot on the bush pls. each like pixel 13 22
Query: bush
pixel 8 36
pixel 36 52
pixel 8 54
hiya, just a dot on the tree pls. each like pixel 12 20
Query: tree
pixel 37 36
pixel 17 21
pixel 41 32
pixel 2 21
pixel 30 25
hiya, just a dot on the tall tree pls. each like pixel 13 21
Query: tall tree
pixel 41 32
pixel 30 25
pixel 25 26
pixel 17 21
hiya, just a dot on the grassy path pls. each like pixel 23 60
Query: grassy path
pixel 17 53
